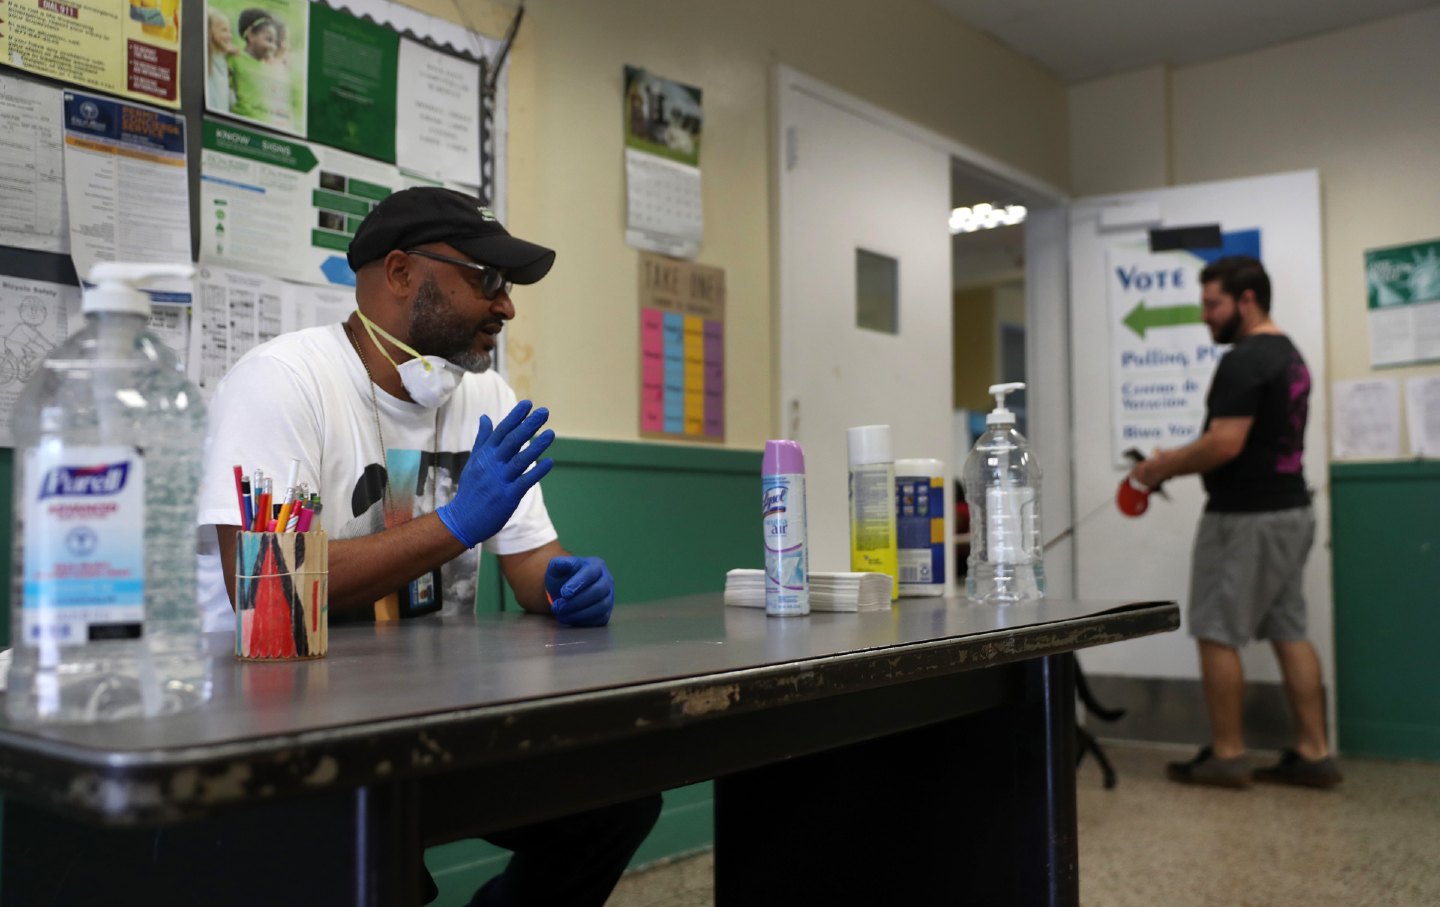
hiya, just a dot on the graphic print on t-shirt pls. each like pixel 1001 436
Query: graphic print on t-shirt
pixel 419 482
pixel 1292 443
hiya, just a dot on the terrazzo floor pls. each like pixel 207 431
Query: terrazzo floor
pixel 1375 840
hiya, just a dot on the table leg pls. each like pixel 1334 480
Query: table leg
pixel 979 809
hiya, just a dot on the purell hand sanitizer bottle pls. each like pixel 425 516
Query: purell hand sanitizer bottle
pixel 108 439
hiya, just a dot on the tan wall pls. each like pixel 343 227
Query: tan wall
pixel 1358 105
pixel 1120 132
pixel 574 344
pixel 973 328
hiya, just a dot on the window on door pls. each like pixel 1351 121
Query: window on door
pixel 877 292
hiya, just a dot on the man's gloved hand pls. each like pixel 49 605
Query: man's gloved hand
pixel 582 591
pixel 494 478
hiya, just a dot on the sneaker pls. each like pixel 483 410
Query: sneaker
pixel 1209 769
pixel 1294 768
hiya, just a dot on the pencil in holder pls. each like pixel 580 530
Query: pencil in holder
pixel 281 595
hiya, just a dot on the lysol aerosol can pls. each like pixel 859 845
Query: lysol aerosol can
pixel 782 513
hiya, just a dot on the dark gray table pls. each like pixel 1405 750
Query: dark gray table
pixel 882 752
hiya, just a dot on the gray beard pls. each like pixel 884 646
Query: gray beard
pixel 434 331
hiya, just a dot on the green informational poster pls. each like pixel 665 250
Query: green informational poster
pixel 1403 275
pixel 1403 297
pixel 353 71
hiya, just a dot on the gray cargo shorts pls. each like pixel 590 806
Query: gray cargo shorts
pixel 1245 576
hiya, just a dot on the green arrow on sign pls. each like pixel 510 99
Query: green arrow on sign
pixel 1142 319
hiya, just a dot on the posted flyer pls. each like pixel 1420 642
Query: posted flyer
pixel 129 48
pixel 255 61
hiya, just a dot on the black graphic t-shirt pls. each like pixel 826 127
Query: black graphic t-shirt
pixel 1265 377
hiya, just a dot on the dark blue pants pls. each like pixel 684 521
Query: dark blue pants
pixel 572 861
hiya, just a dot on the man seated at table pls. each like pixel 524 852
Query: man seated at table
pixel 421 456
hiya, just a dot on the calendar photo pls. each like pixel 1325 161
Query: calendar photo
pixel 662 117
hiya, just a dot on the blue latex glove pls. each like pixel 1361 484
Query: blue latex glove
pixel 582 591
pixel 495 478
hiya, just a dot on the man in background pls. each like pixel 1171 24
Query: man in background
pixel 1257 529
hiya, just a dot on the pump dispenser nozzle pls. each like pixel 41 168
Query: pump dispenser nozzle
pixel 1001 415
pixel 115 285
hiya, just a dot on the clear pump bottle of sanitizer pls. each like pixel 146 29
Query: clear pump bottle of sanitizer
pixel 108 439
pixel 1002 488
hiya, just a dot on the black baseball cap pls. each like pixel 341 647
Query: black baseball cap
pixel 426 214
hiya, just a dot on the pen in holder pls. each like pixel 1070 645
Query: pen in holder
pixel 281 595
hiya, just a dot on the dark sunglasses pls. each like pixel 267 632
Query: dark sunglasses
pixel 492 280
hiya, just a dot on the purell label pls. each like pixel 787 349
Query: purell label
pixel 89 481
pixel 84 511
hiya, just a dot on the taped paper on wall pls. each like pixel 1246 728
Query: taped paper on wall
pixel 35 317
pixel 1365 423
pixel 125 184
pixel 234 312
pixel 32 175
pixel 1422 411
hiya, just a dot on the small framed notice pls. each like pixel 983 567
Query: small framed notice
pixel 1403 298
pixel 682 350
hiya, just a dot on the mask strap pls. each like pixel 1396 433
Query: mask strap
pixel 372 328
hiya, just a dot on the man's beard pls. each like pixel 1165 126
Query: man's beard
pixel 435 330
pixel 1229 332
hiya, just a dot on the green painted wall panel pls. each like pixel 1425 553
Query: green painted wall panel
pixel 1386 538
pixel 668 520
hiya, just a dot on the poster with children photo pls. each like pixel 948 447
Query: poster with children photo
pixel 255 65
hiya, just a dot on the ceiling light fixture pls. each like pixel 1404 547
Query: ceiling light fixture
pixel 985 217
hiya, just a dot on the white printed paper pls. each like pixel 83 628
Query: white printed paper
pixel 663 211
pixel 1405 334
pixel 438 114
pixel 314 306
pixel 35 316
pixel 1422 415
pixel 233 313
pixel 32 179
pixel 125 184
pixel 1365 423
pixel 254 192
pixel 171 323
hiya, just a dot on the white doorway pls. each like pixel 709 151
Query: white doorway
pixel 866 289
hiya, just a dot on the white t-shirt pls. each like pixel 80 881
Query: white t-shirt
pixel 305 395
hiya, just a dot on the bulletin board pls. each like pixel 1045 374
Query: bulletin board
pixel 253 154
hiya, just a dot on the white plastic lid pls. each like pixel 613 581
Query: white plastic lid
pixel 869 444
pixel 919 467
pixel 115 285
pixel 1001 415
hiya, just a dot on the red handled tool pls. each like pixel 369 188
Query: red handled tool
pixel 1131 497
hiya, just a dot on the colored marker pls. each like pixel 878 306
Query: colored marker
pixel 247 513
pixel 240 493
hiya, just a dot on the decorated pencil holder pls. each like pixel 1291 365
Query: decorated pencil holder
pixel 281 587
